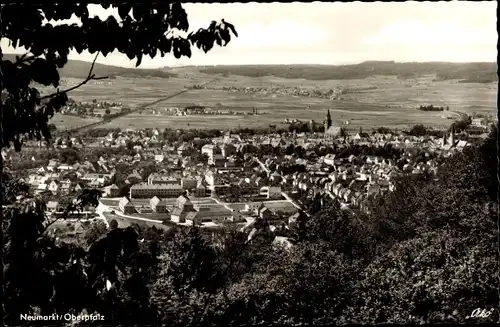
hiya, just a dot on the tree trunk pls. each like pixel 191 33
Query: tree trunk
pixel 1 237
pixel 1 202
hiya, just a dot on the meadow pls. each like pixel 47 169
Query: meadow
pixel 129 91
pixel 63 122
pixel 392 102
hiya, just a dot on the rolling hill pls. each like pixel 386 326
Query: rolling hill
pixel 480 72
pixel 80 69
pixel 470 72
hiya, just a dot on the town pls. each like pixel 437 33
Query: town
pixel 212 180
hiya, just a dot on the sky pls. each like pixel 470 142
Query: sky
pixel 332 33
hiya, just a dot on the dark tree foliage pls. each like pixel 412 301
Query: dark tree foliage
pixel 113 224
pixel 461 124
pixel 117 261
pixel 418 130
pixel 192 262
pixel 12 188
pixel 382 130
pixel 39 275
pixel 430 108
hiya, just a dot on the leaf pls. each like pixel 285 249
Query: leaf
pixel 44 72
pixel 177 52
pixel 124 10
pixel 212 26
pixel 139 60
pixel 152 52
pixel 225 36
pixel 165 44
pixel 231 27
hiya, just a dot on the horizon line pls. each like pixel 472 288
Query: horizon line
pixel 292 64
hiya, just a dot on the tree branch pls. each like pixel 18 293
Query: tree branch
pixel 89 77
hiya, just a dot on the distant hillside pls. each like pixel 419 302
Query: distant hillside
pixel 80 69
pixel 468 72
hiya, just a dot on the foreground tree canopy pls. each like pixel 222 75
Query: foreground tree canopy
pixel 145 28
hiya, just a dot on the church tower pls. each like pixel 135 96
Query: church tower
pixel 328 121
pixel 451 139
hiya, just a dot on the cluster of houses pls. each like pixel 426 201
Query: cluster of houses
pixel 53 178
pixel 289 91
pixel 95 109
pixel 233 174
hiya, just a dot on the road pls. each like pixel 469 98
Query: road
pixel 294 204
pixel 102 208
pixel 138 109
pixel 263 166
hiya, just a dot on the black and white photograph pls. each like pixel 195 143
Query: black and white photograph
pixel 248 164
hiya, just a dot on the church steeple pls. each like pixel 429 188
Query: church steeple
pixel 328 121
pixel 452 135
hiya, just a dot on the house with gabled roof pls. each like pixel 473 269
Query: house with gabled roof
pixel 53 187
pixel 111 190
pixel 158 205
pixel 42 170
pixel 182 207
pixel 65 188
pixel 126 206
pixel 263 212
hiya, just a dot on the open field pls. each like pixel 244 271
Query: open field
pixel 392 102
pixel 63 122
pixel 131 92
pixel 390 90
pixel 374 119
